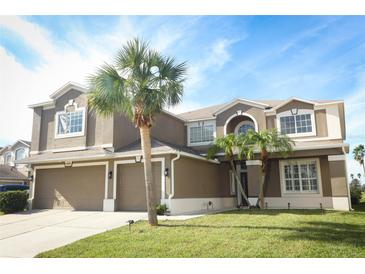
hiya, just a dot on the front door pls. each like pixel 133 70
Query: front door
pixel 242 171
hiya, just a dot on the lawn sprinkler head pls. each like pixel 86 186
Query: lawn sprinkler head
pixel 130 222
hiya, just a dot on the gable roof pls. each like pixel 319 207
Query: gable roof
pixel 11 173
pixel 67 87
pixel 59 92
pixel 241 101
pixel 26 143
pixel 210 112
pixel 5 148
pixel 158 146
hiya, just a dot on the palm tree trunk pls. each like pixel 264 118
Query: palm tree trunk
pixel 264 181
pixel 145 132
pixel 239 183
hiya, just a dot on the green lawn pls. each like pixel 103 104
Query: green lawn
pixel 266 233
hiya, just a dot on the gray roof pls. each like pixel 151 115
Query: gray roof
pixel 157 146
pixel 89 154
pixel 134 148
pixel 208 112
pixel 11 173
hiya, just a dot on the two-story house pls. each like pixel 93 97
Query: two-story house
pixel 10 172
pixel 87 162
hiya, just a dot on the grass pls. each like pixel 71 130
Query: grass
pixel 265 233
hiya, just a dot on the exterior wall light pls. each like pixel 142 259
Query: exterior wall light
pixel 166 172
pixel 138 158
pixel 110 174
pixel 68 163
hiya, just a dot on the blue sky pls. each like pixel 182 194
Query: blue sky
pixel 253 57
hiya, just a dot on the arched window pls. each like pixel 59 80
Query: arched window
pixel 20 154
pixel 243 127
pixel 7 158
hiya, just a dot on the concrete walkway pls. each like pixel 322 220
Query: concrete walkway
pixel 27 234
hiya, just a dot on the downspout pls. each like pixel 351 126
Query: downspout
pixel 348 186
pixel 172 179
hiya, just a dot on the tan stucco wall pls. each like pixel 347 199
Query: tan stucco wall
pixel 124 131
pixel 36 130
pixel 253 177
pixel 200 179
pixel 294 104
pixel 321 123
pixel 272 189
pixel 165 128
pixel 169 129
pixel 332 176
pixel 338 178
pixel 271 121
pixel 257 113
pixel 98 129
pixel 341 111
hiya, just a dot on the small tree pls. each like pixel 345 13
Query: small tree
pixel 266 142
pixel 359 154
pixel 355 191
pixel 230 144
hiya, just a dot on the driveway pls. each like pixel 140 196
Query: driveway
pixel 27 234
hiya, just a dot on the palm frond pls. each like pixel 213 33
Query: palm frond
pixel 134 86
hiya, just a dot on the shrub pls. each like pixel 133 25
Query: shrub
pixel 13 201
pixel 161 209
pixel 355 191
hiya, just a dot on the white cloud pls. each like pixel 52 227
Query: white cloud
pixel 216 57
pixel 354 108
pixel 20 86
pixel 59 63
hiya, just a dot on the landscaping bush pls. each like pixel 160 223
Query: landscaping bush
pixel 161 209
pixel 13 201
pixel 355 191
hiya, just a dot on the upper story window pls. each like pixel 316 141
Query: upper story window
pixel 20 154
pixel 201 133
pixel 300 176
pixel 243 127
pixel 302 123
pixel 7 158
pixel 71 122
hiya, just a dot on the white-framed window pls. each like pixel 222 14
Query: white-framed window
pixel 243 127
pixel 232 183
pixel 201 133
pixel 300 176
pixel 70 123
pixel 302 123
pixel 20 154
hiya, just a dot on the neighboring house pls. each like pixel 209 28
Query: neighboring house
pixel 10 172
pixel 87 162
pixel 10 175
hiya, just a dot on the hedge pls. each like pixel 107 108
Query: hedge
pixel 13 201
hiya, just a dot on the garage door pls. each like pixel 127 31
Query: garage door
pixel 131 187
pixel 80 188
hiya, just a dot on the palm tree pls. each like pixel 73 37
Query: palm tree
pixel 359 154
pixel 140 84
pixel 229 144
pixel 267 142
